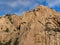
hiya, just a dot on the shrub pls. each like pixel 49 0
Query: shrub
pixel 7 30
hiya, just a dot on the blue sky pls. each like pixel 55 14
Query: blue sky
pixel 20 6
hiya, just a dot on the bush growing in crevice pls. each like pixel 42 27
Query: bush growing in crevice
pixel 23 22
pixel 51 28
pixel 57 30
pixel 7 30
pixel 18 28
pixel 10 19
pixel 34 12
pixel 8 14
pixel 16 42
pixel 7 43
pixel 47 28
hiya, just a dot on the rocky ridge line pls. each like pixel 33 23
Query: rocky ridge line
pixel 40 26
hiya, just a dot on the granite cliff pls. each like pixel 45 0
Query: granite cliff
pixel 40 26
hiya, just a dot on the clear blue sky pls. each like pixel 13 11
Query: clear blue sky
pixel 20 6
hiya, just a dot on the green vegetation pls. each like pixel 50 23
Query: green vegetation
pixel 9 17
pixel 7 43
pixel 18 28
pixel 7 30
pixel 16 42
pixel 51 28
pixel 8 14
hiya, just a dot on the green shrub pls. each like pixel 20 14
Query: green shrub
pixel 7 30
pixel 7 43
pixel 16 42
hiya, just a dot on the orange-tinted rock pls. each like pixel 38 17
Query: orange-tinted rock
pixel 40 26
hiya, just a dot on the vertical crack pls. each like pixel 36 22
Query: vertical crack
pixel 45 38
pixel 49 38
pixel 55 38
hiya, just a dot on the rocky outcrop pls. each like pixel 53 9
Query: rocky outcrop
pixel 40 26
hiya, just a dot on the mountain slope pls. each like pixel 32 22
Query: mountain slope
pixel 40 26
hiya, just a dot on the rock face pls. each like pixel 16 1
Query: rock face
pixel 40 26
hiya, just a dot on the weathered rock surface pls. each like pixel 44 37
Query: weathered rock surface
pixel 40 26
